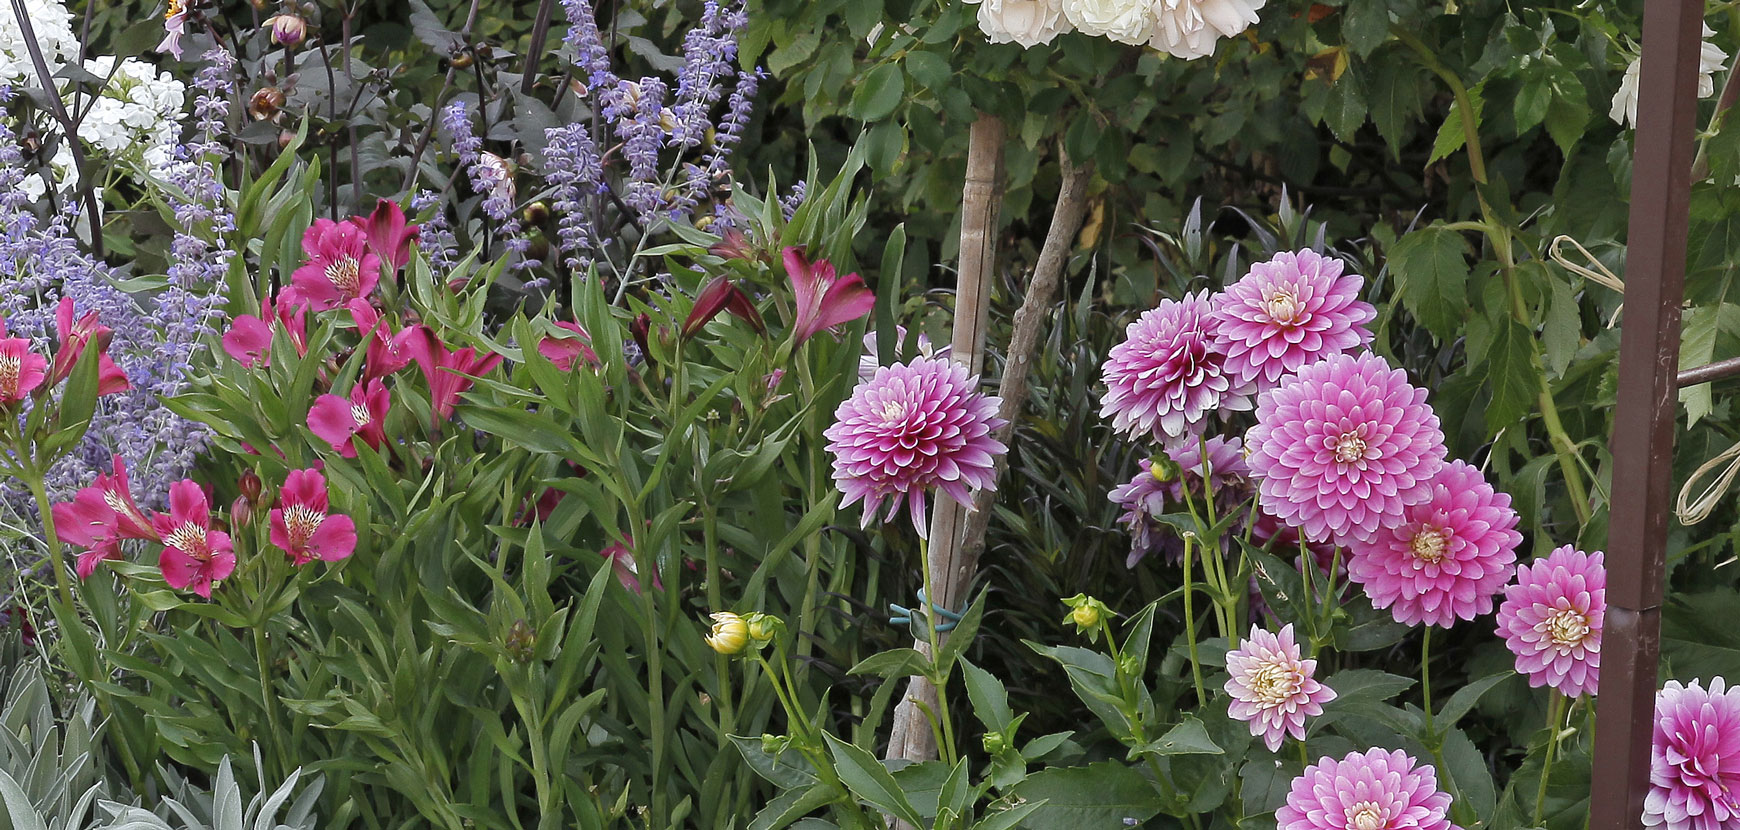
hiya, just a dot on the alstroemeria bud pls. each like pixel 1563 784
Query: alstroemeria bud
pixel 241 511
pixel 721 294
pixel 250 485
pixel 730 633
pixel 522 642
pixel 288 30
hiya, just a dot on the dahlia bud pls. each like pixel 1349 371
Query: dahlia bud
pixel 289 30
pixel 763 628
pixel 1086 614
pixel 730 633
pixel 266 103
pixel 521 642
pixel 995 743
pixel 1163 467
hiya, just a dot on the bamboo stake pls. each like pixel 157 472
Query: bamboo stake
pixel 981 197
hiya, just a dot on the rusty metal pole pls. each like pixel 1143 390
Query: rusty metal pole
pixel 1643 422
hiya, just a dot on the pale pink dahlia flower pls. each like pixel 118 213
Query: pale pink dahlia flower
pixel 1371 790
pixel 1272 688
pixel 1289 312
pixel 910 428
pixel 1445 558
pixel 1694 764
pixel 1167 377
pixel 1551 620
pixel 1342 447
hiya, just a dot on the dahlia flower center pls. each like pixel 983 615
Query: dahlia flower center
pixel 1567 627
pixel 1274 683
pixel 190 539
pixel 1350 447
pixel 11 367
pixel 893 413
pixel 300 522
pixel 1282 307
pixel 360 415
pixel 1429 545
pixel 1366 815
pixel 345 274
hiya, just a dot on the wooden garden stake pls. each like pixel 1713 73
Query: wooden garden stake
pixel 958 536
pixel 981 199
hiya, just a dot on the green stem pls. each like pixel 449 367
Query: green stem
pixel 1555 710
pixel 940 678
pixel 1426 686
pixel 57 558
pixel 1304 757
pixel 267 699
pixel 1190 624
pixel 721 663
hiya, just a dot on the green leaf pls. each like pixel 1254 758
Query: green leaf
pixel 1562 334
pixel 1097 795
pixel 1698 347
pixel 900 662
pixel 1512 373
pixel 1354 685
pixel 1189 737
pixel 1569 113
pixel 791 806
pixel 930 70
pixel 20 813
pixel 1345 110
pixel 870 781
pixel 1366 25
pixel 879 93
pixel 1395 100
pixel 1431 266
pixel 788 770
pixel 990 700
pixel 797 51
pixel 1466 767
pixel 1451 135
pixel 1466 697
pixel 1532 100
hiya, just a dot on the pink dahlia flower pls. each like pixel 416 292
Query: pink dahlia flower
pixel 1694 764
pixel 341 266
pixel 194 556
pixel 301 525
pixel 1148 494
pixel 1287 313
pixel 1272 688
pixel 1551 620
pixel 910 428
pixel 21 370
pixel 1447 557
pixel 1342 447
pixel 1371 790
pixel 1168 376
pixel 1142 498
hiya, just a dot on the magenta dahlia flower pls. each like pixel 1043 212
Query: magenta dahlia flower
pixel 1287 313
pixel 1272 688
pixel 1168 377
pixel 1371 790
pixel 1343 447
pixel 910 428
pixel 1694 763
pixel 1551 620
pixel 1445 558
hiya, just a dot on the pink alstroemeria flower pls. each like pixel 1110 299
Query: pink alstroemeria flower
pixel 450 374
pixel 389 236
pixel 340 266
pixel 88 522
pixel 561 351
pixel 340 422
pixel 721 294
pixel 75 335
pixel 388 351
pixel 249 340
pixel 194 556
pixel 301 525
pixel 823 299
pixel 21 370
pixel 627 572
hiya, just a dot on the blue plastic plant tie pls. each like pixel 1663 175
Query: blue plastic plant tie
pixel 902 615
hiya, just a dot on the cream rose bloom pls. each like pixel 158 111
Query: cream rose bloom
pixel 1027 22
pixel 1188 29
pixel 1125 21
pixel 1711 59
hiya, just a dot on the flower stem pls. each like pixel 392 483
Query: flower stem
pixel 1426 686
pixel 940 678
pixel 45 511
pixel 1190 623
pixel 1555 714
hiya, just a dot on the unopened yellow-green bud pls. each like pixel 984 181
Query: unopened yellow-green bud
pixel 730 634
pixel 1085 616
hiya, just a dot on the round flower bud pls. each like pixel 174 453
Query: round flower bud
pixel 536 213
pixel 250 485
pixel 521 642
pixel 730 634
pixel 1085 616
pixel 995 743
pixel 289 30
